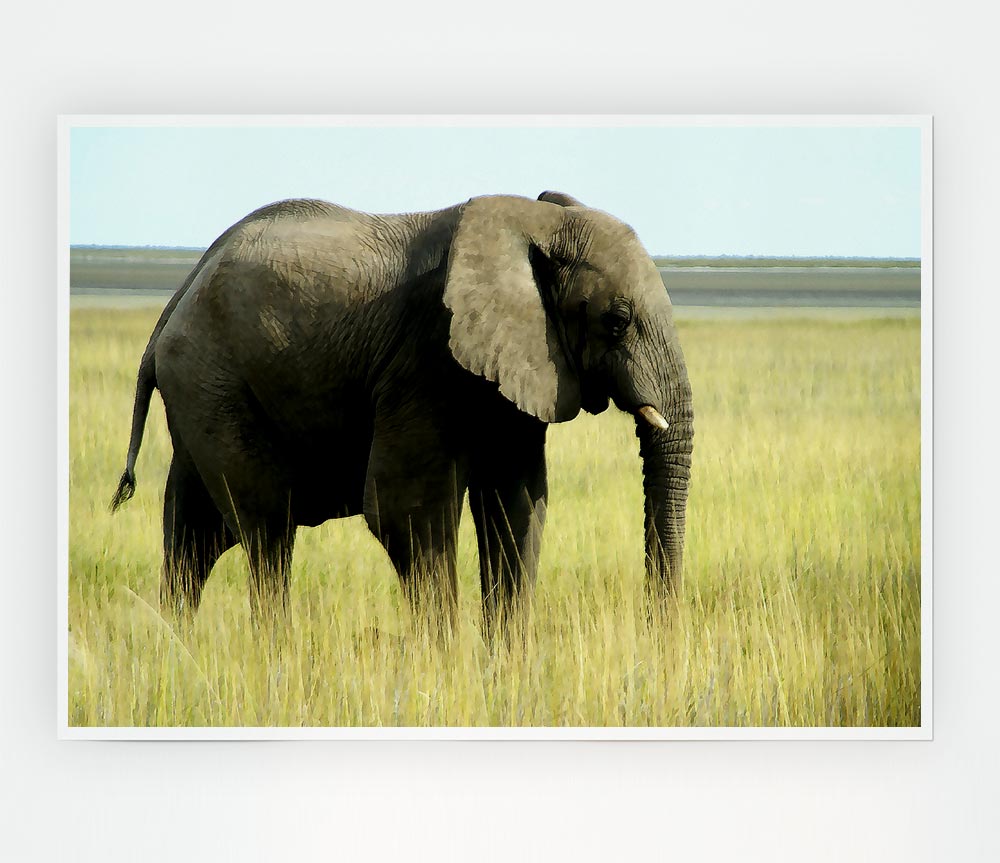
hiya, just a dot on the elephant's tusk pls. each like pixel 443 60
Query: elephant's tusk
pixel 653 417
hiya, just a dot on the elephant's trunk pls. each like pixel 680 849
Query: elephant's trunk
pixel 666 472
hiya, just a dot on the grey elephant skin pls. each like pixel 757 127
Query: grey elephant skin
pixel 320 362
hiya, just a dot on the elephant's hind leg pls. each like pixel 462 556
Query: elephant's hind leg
pixel 269 544
pixel 259 517
pixel 229 439
pixel 194 537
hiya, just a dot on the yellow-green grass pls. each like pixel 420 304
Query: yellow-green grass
pixel 800 604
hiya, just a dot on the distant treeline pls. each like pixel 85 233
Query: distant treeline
pixel 153 251
pixel 179 254
pixel 136 268
pixel 772 261
pixel 691 281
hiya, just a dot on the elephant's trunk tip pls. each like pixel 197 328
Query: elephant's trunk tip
pixel 653 417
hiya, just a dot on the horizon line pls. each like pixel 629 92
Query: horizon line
pixel 173 248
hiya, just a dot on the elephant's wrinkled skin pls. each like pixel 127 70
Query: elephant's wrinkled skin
pixel 320 362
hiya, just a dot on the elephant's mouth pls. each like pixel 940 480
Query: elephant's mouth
pixel 592 399
pixel 593 402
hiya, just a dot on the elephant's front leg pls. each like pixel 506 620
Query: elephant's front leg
pixel 507 496
pixel 413 499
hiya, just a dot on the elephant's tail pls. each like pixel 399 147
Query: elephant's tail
pixel 146 382
pixel 144 387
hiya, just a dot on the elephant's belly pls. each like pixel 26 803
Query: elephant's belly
pixel 310 511
pixel 329 482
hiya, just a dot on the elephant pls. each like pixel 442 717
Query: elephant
pixel 321 362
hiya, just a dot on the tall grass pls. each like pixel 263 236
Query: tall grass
pixel 800 604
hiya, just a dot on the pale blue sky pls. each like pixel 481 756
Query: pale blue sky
pixel 686 190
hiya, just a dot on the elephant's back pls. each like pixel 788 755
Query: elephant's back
pixel 285 266
pixel 303 290
pixel 299 208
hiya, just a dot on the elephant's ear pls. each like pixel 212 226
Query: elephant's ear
pixel 560 198
pixel 500 327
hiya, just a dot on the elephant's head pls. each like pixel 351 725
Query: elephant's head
pixel 561 306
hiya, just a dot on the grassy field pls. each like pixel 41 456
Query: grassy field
pixel 801 601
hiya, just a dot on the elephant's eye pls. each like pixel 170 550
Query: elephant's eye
pixel 617 318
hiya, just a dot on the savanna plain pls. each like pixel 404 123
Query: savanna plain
pixel 801 597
